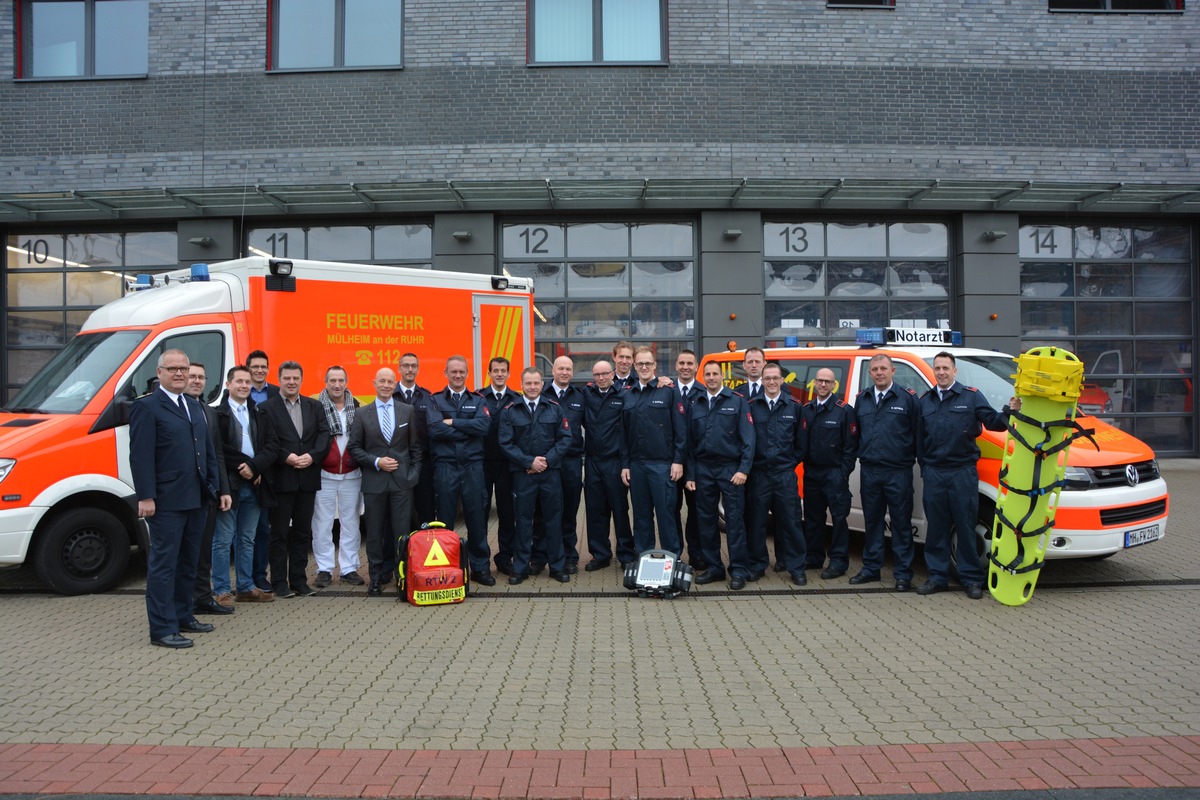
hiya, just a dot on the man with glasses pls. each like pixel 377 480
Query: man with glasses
pixel 202 596
pixel 174 467
pixel 831 443
pixel 606 496
pixel 653 452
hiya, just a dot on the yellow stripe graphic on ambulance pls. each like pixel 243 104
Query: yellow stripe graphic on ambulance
pixel 508 326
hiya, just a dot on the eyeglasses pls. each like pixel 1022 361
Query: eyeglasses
pixel 175 370
pixel 601 374
pixel 643 363
pixel 772 378
pixel 823 380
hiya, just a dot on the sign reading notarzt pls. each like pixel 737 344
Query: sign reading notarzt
pixel 917 336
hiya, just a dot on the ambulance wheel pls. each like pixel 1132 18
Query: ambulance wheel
pixel 81 551
pixel 983 536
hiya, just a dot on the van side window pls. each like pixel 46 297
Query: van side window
pixel 798 376
pixel 207 347
pixel 906 376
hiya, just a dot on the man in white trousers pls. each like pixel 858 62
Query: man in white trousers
pixel 340 494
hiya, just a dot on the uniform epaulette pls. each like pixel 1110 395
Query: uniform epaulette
pixel 913 392
pixel 971 389
pixel 839 401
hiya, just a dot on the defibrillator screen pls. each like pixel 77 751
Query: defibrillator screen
pixel 654 572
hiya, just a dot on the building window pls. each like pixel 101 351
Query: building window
pixel 55 280
pixel 597 31
pixel 598 283
pixel 83 38
pixel 394 245
pixel 1116 5
pixel 335 34
pixel 1121 299
pixel 826 280
pixel 860 3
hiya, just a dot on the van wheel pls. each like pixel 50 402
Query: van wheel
pixel 81 551
pixel 983 536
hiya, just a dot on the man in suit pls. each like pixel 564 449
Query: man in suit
pixel 174 468
pixel 302 431
pixel 407 391
pixel 571 401
pixel 387 446
pixel 497 476
pixel 260 392
pixel 202 596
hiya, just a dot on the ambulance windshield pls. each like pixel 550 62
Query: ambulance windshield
pixel 72 378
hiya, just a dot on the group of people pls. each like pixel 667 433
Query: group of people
pixel 264 474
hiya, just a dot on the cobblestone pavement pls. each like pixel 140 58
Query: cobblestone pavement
pixel 584 690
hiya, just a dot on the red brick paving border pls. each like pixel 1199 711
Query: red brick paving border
pixel 1152 762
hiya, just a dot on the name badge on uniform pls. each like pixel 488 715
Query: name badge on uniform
pixel 726 410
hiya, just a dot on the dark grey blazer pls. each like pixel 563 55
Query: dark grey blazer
pixel 367 444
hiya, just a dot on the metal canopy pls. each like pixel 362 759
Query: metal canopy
pixel 570 195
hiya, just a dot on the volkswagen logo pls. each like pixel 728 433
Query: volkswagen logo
pixel 1131 475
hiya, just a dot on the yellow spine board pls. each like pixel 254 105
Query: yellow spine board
pixel 1047 382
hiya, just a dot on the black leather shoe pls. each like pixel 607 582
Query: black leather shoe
pixel 504 567
pixel 212 607
pixel 864 577
pixel 903 586
pixel 482 578
pixel 799 579
pixel 974 591
pixel 374 590
pixel 780 567
pixel 516 579
pixel 929 587
pixel 737 583
pixel 572 568
pixel 172 640
pixel 304 590
pixel 284 591
pixel 323 580
pixel 536 569
pixel 829 573
pixel 709 576
pixel 196 626
pixel 561 577
pixel 755 577
pixel 596 563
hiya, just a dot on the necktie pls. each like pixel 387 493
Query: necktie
pixel 770 405
pixel 183 408
pixel 457 399
pixel 754 389
pixel 532 408
pixel 385 421
pixel 712 401
pixel 247 440
pixel 408 396
pixel 879 398
pixel 941 394
pixel 499 397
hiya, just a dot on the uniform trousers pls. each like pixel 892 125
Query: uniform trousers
pixel 826 489
pixel 465 483
pixel 497 479
pixel 775 493
pixel 652 496
pixel 533 492
pixel 713 484
pixel 887 490
pixel 607 499
pixel 171 568
pixel 950 496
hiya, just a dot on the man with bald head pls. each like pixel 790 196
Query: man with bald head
pixel 570 400
pixel 387 445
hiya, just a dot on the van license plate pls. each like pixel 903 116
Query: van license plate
pixel 1145 535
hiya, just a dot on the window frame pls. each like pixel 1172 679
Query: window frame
pixel 23 41
pixel 884 5
pixel 1106 7
pixel 531 59
pixel 339 43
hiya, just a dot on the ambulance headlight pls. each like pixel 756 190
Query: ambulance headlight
pixel 6 465
pixel 279 266
pixel 1078 478
pixel 499 282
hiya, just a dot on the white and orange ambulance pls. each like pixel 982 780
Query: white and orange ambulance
pixel 1114 497
pixel 66 494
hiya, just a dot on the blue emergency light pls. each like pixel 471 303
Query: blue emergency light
pixel 144 281
pixel 200 272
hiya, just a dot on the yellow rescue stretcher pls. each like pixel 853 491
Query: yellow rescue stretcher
pixel 1047 381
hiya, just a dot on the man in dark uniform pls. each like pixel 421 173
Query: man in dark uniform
pixel 408 392
pixel 458 423
pixel 688 389
pixel 497 474
pixel 202 595
pixel 174 467
pixel 720 453
pixel 261 390
pixel 570 399
pixel 606 495
pixel 300 426
pixel 889 434
pixel 625 375
pixel 779 441
pixel 653 452
pixel 535 436
pixel 830 446
pixel 952 417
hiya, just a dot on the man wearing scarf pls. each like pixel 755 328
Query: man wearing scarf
pixel 340 494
